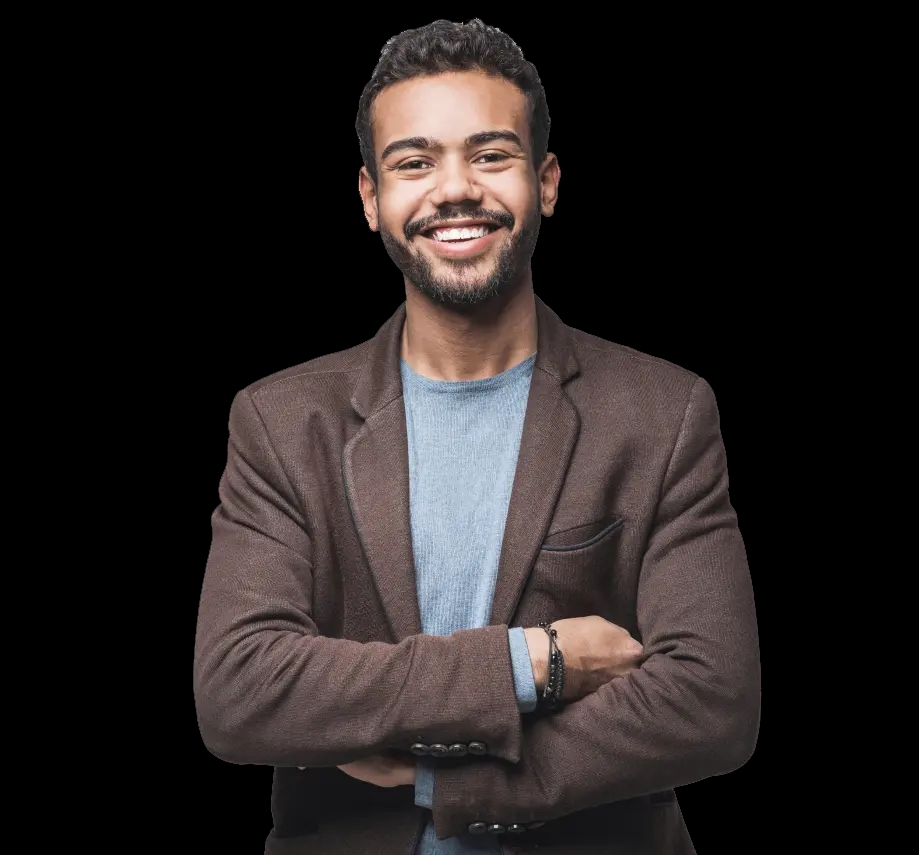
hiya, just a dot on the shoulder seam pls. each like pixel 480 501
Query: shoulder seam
pixel 638 357
pixel 267 386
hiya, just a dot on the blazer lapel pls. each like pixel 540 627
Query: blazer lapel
pixel 376 476
pixel 550 432
pixel 375 472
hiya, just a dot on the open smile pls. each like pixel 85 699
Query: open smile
pixel 462 241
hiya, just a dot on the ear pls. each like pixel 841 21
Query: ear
pixel 368 192
pixel 549 175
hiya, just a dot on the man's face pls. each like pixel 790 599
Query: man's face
pixel 453 152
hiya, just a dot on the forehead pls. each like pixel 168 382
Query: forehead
pixel 448 107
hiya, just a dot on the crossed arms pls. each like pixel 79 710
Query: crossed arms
pixel 270 690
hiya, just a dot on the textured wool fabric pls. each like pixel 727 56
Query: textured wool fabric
pixel 463 440
pixel 310 649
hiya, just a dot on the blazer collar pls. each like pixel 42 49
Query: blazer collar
pixel 380 380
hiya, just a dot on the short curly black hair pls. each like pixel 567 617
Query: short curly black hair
pixel 445 46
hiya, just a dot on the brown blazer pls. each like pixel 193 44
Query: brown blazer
pixel 309 648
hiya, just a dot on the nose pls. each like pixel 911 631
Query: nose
pixel 455 183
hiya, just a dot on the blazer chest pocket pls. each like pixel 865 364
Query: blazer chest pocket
pixel 581 537
pixel 575 570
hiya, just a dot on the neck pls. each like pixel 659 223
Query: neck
pixel 446 343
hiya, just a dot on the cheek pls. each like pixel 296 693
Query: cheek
pixel 399 205
pixel 517 196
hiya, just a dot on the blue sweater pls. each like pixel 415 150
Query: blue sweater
pixel 463 441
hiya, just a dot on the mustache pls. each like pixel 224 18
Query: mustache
pixel 497 218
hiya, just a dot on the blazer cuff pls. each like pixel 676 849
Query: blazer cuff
pixel 524 682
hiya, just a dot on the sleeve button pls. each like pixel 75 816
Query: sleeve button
pixel 478 828
pixel 419 749
pixel 497 828
pixel 438 749
pixel 478 748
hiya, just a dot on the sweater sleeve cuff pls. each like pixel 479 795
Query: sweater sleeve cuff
pixel 524 682
pixel 424 784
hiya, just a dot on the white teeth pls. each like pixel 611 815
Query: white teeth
pixel 461 234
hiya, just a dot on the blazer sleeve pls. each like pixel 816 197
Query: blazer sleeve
pixel 690 711
pixel 525 689
pixel 270 690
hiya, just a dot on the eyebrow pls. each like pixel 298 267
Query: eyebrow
pixel 472 140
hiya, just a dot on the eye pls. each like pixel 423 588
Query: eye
pixel 497 157
pixel 410 165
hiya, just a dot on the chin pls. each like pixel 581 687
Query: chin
pixel 460 294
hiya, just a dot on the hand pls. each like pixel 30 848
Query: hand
pixel 594 649
pixel 390 769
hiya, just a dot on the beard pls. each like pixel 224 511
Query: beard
pixel 460 286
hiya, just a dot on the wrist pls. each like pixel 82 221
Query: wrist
pixel 538 647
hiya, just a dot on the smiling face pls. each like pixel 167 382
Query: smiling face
pixel 458 198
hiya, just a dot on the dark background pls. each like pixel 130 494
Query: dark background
pixel 666 238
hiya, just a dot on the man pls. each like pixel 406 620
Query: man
pixel 397 519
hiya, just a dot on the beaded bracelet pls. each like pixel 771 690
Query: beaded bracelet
pixel 552 694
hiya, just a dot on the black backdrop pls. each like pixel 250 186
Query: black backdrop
pixel 665 239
